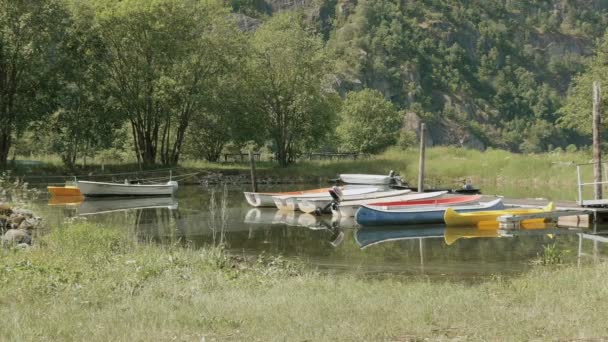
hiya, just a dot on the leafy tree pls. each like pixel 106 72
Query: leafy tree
pixel 368 122
pixel 576 112
pixel 84 121
pixel 31 33
pixel 288 87
pixel 227 117
pixel 164 56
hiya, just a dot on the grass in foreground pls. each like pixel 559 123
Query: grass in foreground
pixel 85 282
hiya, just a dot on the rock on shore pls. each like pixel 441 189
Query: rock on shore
pixel 17 225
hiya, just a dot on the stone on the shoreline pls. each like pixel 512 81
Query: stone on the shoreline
pixel 16 236
pixel 23 246
pixel 23 212
pixel 5 209
pixel 16 220
pixel 29 223
pixel 4 222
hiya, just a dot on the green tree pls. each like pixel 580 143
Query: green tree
pixel 31 33
pixel 288 86
pixel 576 112
pixel 84 121
pixel 227 117
pixel 164 56
pixel 368 122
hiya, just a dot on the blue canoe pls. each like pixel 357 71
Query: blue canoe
pixel 367 236
pixel 369 215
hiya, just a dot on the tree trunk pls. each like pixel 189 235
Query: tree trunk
pixel 5 146
pixel 282 154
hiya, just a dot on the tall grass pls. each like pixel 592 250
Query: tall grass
pixel 445 166
pixel 454 164
pixel 86 282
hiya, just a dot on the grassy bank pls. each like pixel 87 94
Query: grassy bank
pixel 84 282
pixel 444 166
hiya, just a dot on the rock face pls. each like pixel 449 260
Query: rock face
pixel 246 23
pixel 286 5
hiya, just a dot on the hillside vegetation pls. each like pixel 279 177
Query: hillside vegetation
pixel 172 78
pixel 481 73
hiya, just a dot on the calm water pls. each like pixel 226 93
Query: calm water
pixel 333 246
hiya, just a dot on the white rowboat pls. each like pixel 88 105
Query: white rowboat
pixel 290 202
pixel 117 189
pixel 349 208
pixel 264 199
pixel 311 205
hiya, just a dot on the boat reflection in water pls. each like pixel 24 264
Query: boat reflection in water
pixel 65 200
pixel 290 218
pixel 453 234
pixel 368 236
pixel 104 205
pixel 107 205
pixel 297 219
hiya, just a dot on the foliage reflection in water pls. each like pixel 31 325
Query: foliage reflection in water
pixel 221 215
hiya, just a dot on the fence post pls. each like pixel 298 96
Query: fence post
pixel 254 182
pixel 580 187
pixel 422 157
pixel 597 149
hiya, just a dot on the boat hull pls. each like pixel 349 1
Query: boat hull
pixel 92 189
pixel 444 201
pixel 292 202
pixel 374 216
pixel 64 190
pixel 488 219
pixel 349 208
pixel 264 199
pixel 315 204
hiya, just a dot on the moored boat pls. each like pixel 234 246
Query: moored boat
pixel 88 188
pixel 311 205
pixel 68 190
pixel 488 219
pixel 264 199
pixel 371 215
pixel 358 178
pixel 445 201
pixel 349 208
pixel 290 202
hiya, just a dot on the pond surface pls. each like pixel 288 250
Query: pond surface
pixel 195 217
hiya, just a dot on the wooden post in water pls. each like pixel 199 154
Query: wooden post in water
pixel 254 182
pixel 597 149
pixel 422 157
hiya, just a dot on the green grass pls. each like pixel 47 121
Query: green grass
pixel 85 282
pixel 445 167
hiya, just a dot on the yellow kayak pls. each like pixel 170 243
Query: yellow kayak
pixel 488 219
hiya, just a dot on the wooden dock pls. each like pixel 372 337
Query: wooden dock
pixel 566 214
